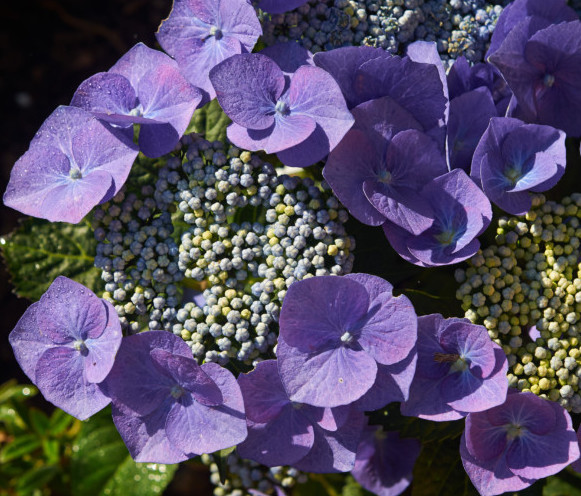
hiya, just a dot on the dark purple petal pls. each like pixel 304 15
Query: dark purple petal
pixel 263 392
pixel 135 384
pixel 59 376
pixel 288 56
pixel 68 311
pixel 196 428
pixel 102 350
pixel 248 87
pixel 392 383
pixel 334 451
pixel 145 437
pixel 343 64
pixel 385 461
pixel 279 6
pixel 349 165
pixel 318 311
pixel 284 440
pixel 470 114
pixel 329 419
pixel 189 375
pixel 329 378
pixel 27 342
pixel 538 417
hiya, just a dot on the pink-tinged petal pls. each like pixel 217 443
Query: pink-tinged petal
pixel 145 437
pixel 248 86
pixel 263 392
pixel 102 350
pixel 282 441
pixel 189 375
pixel 490 477
pixel 69 311
pixel 196 428
pixel 318 311
pixel 349 165
pixel 279 6
pixel 60 379
pixel 334 451
pixel 314 93
pixel 391 331
pixel 105 93
pixel 140 60
pixel 135 383
pixel 27 342
pixel 329 378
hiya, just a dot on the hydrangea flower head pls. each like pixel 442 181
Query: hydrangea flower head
pixel 74 163
pixel 385 461
pixel 144 87
pixel 461 213
pixel 514 158
pixel 200 34
pixel 302 123
pixel 512 445
pixel 459 370
pixel 283 432
pixel 166 407
pixel 66 344
pixel 541 67
pixel 334 331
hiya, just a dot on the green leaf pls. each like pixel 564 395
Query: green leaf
pixel 211 121
pixel 59 422
pixel 20 446
pixel 38 251
pixel 35 478
pixel 51 450
pixel 101 464
pixel 565 483
pixel 39 421
pixel 439 471
pixel 352 488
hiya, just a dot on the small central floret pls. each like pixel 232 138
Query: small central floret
pixel 282 108
pixel 512 175
pixel 384 177
pixel 76 173
pixel 216 32
pixel 297 405
pixel 347 337
pixel 549 80
pixel 446 357
pixel 176 391
pixel 514 431
pixel 446 237
pixel 136 112
pixel 80 345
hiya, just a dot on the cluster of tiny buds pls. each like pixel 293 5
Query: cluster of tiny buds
pixel 246 474
pixel 218 219
pixel 526 290
pixel 459 27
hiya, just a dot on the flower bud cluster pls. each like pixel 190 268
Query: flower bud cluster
pixel 526 290
pixel 459 27
pixel 246 474
pixel 237 230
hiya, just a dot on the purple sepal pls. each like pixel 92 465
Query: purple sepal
pixel 385 462
pixel 74 163
pixel 68 358
pixel 459 370
pixel 334 451
pixel 511 445
pixel 199 34
pixel 157 387
pixel 279 6
pixel 288 56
